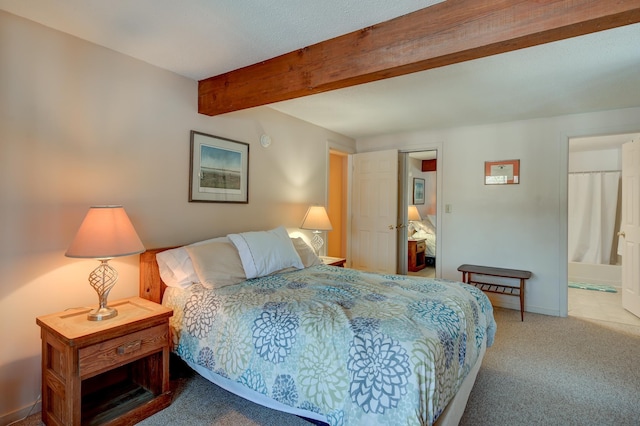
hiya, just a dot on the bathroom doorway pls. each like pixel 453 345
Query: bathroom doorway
pixel 594 212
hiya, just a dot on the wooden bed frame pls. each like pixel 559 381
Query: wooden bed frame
pixel 151 285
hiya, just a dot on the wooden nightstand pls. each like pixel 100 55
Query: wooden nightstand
pixel 333 261
pixel 114 371
pixel 416 252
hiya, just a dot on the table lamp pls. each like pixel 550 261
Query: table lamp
pixel 317 220
pixel 412 215
pixel 106 232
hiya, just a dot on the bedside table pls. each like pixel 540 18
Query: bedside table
pixel 333 261
pixel 416 255
pixel 114 371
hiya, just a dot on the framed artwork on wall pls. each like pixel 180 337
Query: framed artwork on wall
pixel 418 191
pixel 501 172
pixel 218 170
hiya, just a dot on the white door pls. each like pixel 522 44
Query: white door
pixel 630 232
pixel 374 211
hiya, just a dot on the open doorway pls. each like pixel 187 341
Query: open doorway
pixel 594 211
pixel 420 204
pixel 337 203
pixel 381 188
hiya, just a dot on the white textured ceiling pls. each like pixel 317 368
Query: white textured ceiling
pixel 203 38
pixel 595 72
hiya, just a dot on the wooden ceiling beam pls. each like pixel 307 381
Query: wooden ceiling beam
pixel 446 33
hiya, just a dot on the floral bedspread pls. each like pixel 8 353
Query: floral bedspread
pixel 356 347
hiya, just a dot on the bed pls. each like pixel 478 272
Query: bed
pixel 335 345
pixel 425 229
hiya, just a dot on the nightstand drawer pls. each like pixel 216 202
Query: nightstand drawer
pixel 421 246
pixel 121 350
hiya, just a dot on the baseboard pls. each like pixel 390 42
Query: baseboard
pixel 499 302
pixel 21 413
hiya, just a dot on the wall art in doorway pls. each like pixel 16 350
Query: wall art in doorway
pixel 418 191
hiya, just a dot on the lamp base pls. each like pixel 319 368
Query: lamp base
pixel 102 279
pixel 317 242
pixel 100 314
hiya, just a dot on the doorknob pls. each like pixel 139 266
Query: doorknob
pixel 621 234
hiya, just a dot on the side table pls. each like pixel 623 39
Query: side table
pixel 114 371
pixel 333 261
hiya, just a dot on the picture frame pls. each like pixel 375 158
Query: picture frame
pixel 418 191
pixel 505 172
pixel 218 169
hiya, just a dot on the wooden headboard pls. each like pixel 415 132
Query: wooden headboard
pixel 151 285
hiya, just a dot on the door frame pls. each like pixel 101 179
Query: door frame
pixel 563 267
pixel 348 151
pixel 402 252
pixel 404 201
pixel 332 145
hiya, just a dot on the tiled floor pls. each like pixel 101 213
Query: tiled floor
pixel 600 305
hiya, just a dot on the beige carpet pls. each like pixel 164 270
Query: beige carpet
pixel 543 371
pixel 558 371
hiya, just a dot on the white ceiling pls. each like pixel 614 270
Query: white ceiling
pixel 203 38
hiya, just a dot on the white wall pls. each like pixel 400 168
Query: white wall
pixel 595 160
pixel 520 226
pixel 415 171
pixel 83 125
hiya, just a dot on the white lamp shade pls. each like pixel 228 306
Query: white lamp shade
pixel 316 219
pixel 413 213
pixel 105 232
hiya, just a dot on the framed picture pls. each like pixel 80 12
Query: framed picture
pixel 219 170
pixel 501 172
pixel 418 191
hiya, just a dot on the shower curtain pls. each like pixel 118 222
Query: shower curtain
pixel 593 200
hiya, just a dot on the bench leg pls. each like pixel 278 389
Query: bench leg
pixel 522 281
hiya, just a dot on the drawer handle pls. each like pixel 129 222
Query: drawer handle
pixel 129 347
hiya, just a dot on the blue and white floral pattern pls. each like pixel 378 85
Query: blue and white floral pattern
pixel 379 371
pixel 284 390
pixel 254 380
pixel 322 375
pixel 355 347
pixel 274 333
pixel 200 312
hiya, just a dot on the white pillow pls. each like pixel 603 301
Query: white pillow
pixel 265 252
pixel 217 263
pixel 306 253
pixel 175 266
pixel 424 225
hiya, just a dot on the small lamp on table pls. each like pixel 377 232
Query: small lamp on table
pixel 106 232
pixel 316 220
pixel 413 215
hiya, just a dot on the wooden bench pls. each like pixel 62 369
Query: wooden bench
pixel 510 290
